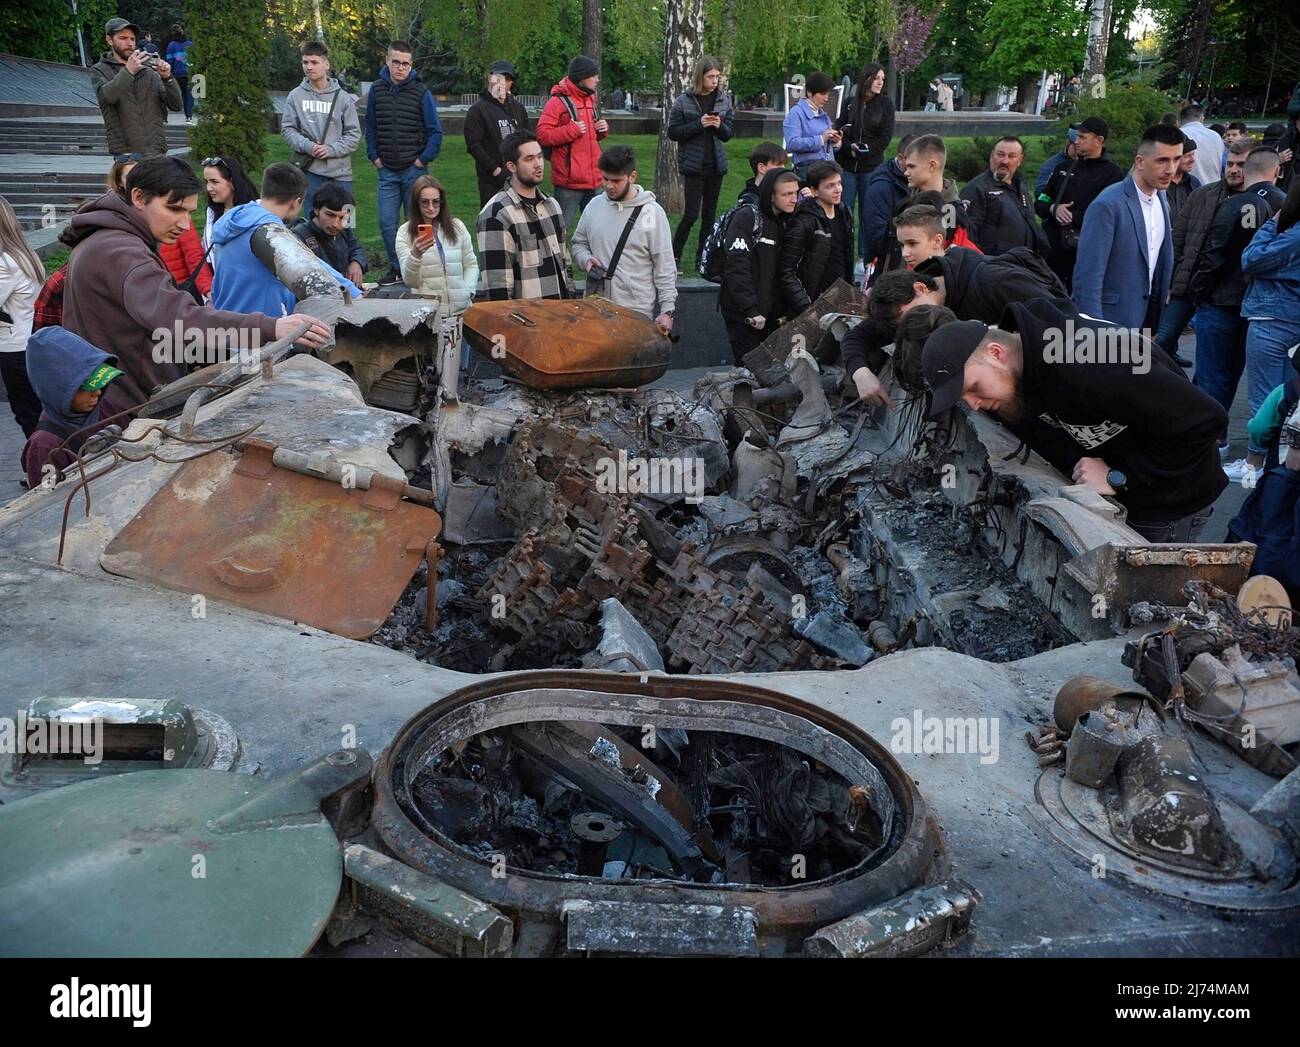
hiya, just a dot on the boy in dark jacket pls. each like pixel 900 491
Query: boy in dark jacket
pixel 817 245
pixel 701 121
pixel 750 299
pixel 887 189
pixel 764 157
pixel 80 388
pixel 496 114
pixel 329 234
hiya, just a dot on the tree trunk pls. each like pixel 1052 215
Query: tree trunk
pixel 1094 73
pixel 683 46
pixel 727 43
pixel 593 29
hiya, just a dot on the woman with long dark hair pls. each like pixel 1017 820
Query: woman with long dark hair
pixel 1271 305
pixel 227 186
pixel 700 121
pixel 867 127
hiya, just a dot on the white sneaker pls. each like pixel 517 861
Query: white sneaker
pixel 1242 472
pixel 1224 449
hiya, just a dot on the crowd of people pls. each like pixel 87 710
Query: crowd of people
pixel 966 284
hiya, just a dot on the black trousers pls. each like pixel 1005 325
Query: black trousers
pixel 744 339
pixel 488 188
pixel 701 202
pixel 23 401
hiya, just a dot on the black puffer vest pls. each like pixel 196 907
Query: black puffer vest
pixel 399 120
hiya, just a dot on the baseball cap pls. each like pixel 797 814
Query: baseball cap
pixel 100 377
pixel 1095 125
pixel 116 25
pixel 504 68
pixel 943 360
pixel 1072 134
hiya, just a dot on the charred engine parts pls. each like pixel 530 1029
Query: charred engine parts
pixel 1134 784
pixel 1230 673
pixel 663 815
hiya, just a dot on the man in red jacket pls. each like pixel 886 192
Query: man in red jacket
pixel 569 128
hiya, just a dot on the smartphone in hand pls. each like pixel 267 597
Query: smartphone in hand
pixel 424 231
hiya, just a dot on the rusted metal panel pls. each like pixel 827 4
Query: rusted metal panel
pixel 278 541
pixel 568 343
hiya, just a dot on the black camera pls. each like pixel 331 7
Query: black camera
pixel 596 272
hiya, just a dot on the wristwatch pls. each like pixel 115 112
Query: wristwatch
pixel 1116 479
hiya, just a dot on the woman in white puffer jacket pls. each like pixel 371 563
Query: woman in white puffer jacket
pixel 441 261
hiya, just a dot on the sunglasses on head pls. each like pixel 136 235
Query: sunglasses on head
pixel 127 158
pixel 215 161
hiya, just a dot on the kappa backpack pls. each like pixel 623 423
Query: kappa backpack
pixel 573 115
pixel 713 255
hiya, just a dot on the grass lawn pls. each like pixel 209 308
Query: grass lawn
pixel 454 168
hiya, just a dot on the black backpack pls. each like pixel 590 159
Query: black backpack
pixel 713 254
pixel 573 115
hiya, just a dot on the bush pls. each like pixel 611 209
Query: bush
pixel 967 157
pixel 1129 109
pixel 232 51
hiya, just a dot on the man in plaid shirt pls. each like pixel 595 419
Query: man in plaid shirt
pixel 521 230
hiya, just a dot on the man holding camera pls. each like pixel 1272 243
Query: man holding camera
pixel 135 89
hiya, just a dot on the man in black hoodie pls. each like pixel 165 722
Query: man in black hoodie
pixel 817 247
pixel 1143 433
pixel 496 114
pixel 750 299
pixel 1073 186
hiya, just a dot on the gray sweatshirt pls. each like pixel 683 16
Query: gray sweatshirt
pixel 646 277
pixel 305 111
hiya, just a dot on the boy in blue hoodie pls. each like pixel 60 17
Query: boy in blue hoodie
pixel 79 387
pixel 242 282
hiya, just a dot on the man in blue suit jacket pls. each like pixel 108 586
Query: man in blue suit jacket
pixel 1126 247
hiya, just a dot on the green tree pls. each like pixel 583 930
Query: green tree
pixel 46 29
pixel 232 49
pixel 1026 37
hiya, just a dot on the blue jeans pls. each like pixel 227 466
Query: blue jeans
pixel 572 201
pixel 1267 363
pixel 1185 529
pixel 314 182
pixel 1220 352
pixel 1173 321
pixel 855 198
pixel 394 195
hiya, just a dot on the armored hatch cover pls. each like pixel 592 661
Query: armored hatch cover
pixel 174 863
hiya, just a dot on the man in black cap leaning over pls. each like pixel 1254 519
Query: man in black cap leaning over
pixel 1073 186
pixel 1143 433
pixel 496 114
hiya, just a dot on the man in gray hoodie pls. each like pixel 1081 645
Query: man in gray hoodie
pixel 643 276
pixel 315 124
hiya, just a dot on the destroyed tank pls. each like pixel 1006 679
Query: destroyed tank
pixel 447 663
